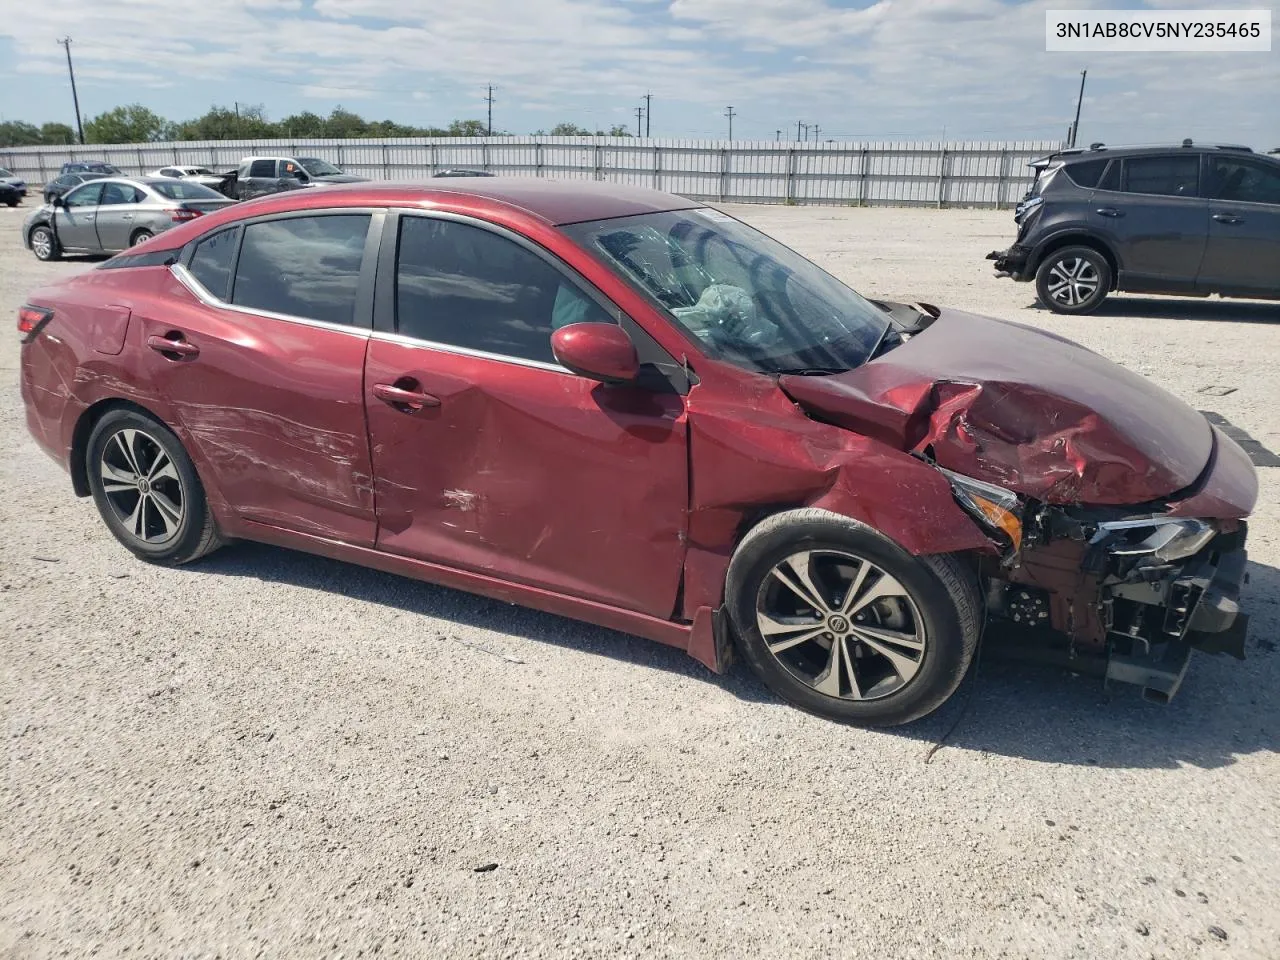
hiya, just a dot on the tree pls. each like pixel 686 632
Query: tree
pixel 569 130
pixel 467 128
pixel 57 134
pixel 618 130
pixel 343 124
pixel 219 123
pixel 129 124
pixel 305 124
pixel 15 133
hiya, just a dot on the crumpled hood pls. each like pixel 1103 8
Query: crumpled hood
pixel 1021 408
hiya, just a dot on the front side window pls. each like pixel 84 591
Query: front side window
pixel 303 266
pixel 1243 181
pixel 746 298
pixel 262 168
pixel 211 262
pixel 85 196
pixel 465 286
pixel 1168 176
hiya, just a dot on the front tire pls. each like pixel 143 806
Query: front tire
pixel 44 244
pixel 1073 280
pixel 147 491
pixel 840 621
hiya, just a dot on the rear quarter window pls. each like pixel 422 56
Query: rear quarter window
pixel 1088 173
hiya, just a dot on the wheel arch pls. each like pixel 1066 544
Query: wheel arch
pixel 84 429
pixel 1076 238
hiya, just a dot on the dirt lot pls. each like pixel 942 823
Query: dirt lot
pixel 271 754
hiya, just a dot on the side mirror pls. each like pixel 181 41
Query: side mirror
pixel 57 200
pixel 600 351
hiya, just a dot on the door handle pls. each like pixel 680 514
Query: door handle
pixel 1109 212
pixel 126 216
pixel 174 344
pixel 1228 218
pixel 402 397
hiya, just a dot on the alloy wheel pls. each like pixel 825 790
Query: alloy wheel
pixel 840 624
pixel 42 244
pixel 1073 281
pixel 142 486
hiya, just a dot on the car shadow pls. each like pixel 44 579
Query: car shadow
pixel 1005 707
pixel 1173 308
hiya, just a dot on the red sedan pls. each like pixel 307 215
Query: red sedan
pixel 625 407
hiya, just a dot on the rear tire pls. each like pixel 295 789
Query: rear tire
pixel 141 236
pixel 889 636
pixel 1073 280
pixel 147 491
pixel 44 244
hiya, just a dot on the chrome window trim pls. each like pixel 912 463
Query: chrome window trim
pixel 450 348
pixel 186 278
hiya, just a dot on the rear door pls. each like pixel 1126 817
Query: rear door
pixel 258 178
pixel 264 367
pixel 76 220
pixel 1243 254
pixel 511 465
pixel 1152 213
pixel 118 210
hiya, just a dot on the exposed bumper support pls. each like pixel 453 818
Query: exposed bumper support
pixel 1012 262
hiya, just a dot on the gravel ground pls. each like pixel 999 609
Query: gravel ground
pixel 272 754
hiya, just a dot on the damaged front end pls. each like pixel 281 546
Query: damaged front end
pixel 1132 595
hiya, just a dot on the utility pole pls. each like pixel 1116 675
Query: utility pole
pixel 729 112
pixel 640 115
pixel 1075 127
pixel 237 106
pixel 75 98
pixel 816 131
pixel 648 112
pixel 489 101
pixel 802 126
pixel 777 135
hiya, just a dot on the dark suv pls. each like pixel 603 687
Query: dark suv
pixel 1190 220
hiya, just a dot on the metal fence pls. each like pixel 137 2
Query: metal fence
pixel 964 174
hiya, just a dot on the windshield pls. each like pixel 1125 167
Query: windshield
pixel 186 190
pixel 5 173
pixel 746 298
pixel 319 168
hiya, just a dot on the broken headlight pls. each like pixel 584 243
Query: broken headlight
pixel 1164 538
pixel 995 507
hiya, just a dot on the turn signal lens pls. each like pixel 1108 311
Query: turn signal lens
pixel 998 508
pixel 30 318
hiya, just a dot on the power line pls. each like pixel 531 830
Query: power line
pixel 489 101
pixel 75 98
pixel 728 112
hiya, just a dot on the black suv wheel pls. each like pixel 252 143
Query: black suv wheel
pixel 1073 280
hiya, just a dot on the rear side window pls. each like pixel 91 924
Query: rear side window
pixel 170 172
pixel 114 193
pixel 211 262
pixel 1088 173
pixel 303 266
pixel 183 190
pixel 464 286
pixel 1171 176
pixel 262 168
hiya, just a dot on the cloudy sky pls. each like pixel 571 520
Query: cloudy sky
pixel 893 69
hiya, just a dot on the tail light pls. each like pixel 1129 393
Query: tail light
pixel 30 320
pixel 182 215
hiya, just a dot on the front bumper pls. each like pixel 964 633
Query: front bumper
pixel 1011 262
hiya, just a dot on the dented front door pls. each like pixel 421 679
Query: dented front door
pixel 529 473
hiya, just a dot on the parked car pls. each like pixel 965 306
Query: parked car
pixel 9 194
pixel 111 214
pixel 1191 220
pixel 9 178
pixel 259 176
pixel 91 166
pixel 621 406
pixel 61 184
pixel 460 172
pixel 201 175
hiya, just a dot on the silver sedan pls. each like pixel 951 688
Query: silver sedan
pixel 113 214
